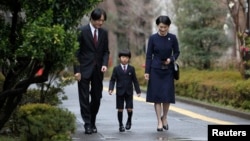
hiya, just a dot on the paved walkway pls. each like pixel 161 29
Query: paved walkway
pixel 107 124
pixel 143 122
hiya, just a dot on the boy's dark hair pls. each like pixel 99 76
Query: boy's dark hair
pixel 124 52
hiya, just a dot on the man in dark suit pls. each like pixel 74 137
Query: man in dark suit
pixel 124 76
pixel 93 55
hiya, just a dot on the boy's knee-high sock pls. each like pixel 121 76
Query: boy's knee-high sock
pixel 120 115
pixel 130 113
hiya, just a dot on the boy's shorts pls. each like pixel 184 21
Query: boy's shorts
pixel 120 100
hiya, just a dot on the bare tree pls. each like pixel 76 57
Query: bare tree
pixel 130 22
pixel 238 13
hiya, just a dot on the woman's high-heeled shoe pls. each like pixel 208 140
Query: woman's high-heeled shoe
pixel 159 129
pixel 164 126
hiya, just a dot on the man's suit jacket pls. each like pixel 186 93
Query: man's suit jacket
pixel 90 55
pixel 124 80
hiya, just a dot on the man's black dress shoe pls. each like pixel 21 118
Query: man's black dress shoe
pixel 88 130
pixel 128 125
pixel 122 129
pixel 94 129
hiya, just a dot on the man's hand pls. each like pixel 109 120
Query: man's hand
pixel 104 69
pixel 78 76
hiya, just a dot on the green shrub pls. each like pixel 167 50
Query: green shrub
pixel 224 87
pixel 42 122
pixel 7 139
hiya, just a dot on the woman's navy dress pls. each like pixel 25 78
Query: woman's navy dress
pixel 161 88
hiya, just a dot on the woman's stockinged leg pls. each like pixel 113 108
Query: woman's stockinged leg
pixel 164 116
pixel 158 110
pixel 165 110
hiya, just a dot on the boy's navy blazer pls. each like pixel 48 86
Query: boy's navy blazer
pixel 124 81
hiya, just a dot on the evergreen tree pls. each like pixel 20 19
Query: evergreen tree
pixel 200 30
pixel 34 35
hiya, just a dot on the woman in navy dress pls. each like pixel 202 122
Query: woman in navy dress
pixel 162 51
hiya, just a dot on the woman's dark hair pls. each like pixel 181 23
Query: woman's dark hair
pixel 97 13
pixel 124 52
pixel 163 19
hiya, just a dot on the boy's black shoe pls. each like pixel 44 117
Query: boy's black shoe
pixel 122 129
pixel 128 125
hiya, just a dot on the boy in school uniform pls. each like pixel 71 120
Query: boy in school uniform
pixel 124 76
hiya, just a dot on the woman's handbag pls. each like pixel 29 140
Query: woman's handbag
pixel 176 71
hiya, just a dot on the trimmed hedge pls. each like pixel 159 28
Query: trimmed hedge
pixel 224 87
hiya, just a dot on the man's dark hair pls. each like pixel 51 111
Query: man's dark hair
pixel 124 52
pixel 97 13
